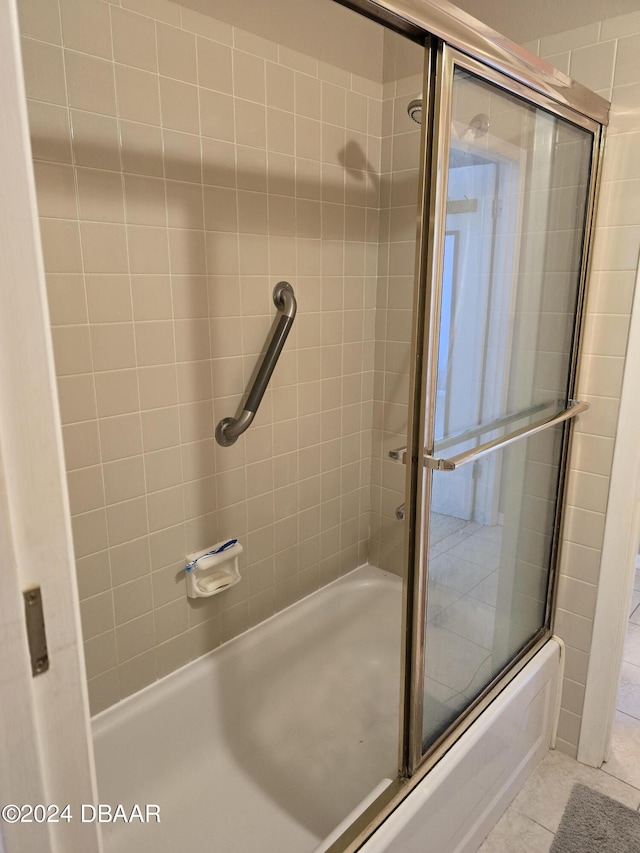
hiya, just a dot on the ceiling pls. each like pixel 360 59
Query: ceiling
pixel 523 20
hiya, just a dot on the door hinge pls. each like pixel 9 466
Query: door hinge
pixel 496 207
pixel 36 635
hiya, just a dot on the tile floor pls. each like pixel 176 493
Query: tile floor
pixel 530 822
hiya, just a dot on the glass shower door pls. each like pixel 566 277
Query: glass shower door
pixel 510 216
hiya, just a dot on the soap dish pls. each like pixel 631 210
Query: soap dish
pixel 213 570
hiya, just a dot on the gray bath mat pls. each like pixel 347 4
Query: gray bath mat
pixel 594 823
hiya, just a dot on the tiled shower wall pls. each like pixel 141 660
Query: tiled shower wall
pixel 183 167
pixel 396 261
pixel 603 56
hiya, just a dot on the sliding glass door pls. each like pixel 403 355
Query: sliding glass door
pixel 509 215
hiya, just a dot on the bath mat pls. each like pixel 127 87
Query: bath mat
pixel 594 823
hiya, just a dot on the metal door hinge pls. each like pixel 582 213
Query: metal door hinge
pixel 36 635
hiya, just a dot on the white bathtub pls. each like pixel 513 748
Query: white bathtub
pixel 268 743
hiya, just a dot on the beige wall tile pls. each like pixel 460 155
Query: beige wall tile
pixel 104 247
pixel 97 615
pixel 40 19
pixel 71 349
pixel 49 130
pixel 160 428
pixel 112 346
pixel 131 600
pixel 43 71
pixel 100 654
pixel 124 479
pixel 61 246
pixel 182 157
pixel 81 444
pixel 141 149
pixel 163 469
pixel 151 295
pixel 76 395
pixel 129 560
pixel 148 250
pixel 90 83
pixel 93 574
pixel 86 490
pixel 66 296
pixel 134 39
pixel 142 670
pixel 179 103
pixel 127 520
pixel 134 638
pixel 155 343
pixel 137 95
pixel 248 77
pixel 120 437
pixel 96 140
pixel 145 200
pixel 217 115
pixel 176 54
pixel 55 188
pixel 158 386
pixel 100 195
pixel 89 532
pixel 250 122
pixel 108 298
pixel 86 27
pixel 117 392
pixel 184 205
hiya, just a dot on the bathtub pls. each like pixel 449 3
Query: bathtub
pixel 267 744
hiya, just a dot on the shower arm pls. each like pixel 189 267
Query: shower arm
pixel 229 429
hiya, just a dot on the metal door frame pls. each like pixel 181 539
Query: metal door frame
pixel 454 39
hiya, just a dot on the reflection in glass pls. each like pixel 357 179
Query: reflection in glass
pixel 517 190
pixel 488 579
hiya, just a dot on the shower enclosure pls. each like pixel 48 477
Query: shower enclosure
pixel 430 199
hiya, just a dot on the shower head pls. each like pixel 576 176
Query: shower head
pixel 415 110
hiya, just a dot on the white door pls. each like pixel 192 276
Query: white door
pixel 45 743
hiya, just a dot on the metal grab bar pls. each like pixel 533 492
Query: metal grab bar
pixel 452 464
pixel 229 429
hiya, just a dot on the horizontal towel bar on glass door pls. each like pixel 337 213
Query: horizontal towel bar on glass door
pixel 229 429
pixel 454 462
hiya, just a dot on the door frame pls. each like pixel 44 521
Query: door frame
pixel 617 566
pixel 44 720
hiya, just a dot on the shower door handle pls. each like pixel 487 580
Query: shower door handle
pixel 229 429
pixel 454 462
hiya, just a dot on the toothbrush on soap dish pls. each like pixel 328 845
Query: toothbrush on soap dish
pixel 191 566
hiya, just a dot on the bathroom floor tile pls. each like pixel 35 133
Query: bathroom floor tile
pixel 629 690
pixel 514 828
pixel 625 749
pixel 545 795
pixel 634 609
pixel 631 652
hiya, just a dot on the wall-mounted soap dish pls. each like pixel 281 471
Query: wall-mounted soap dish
pixel 213 570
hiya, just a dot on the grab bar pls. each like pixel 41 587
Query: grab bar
pixel 230 429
